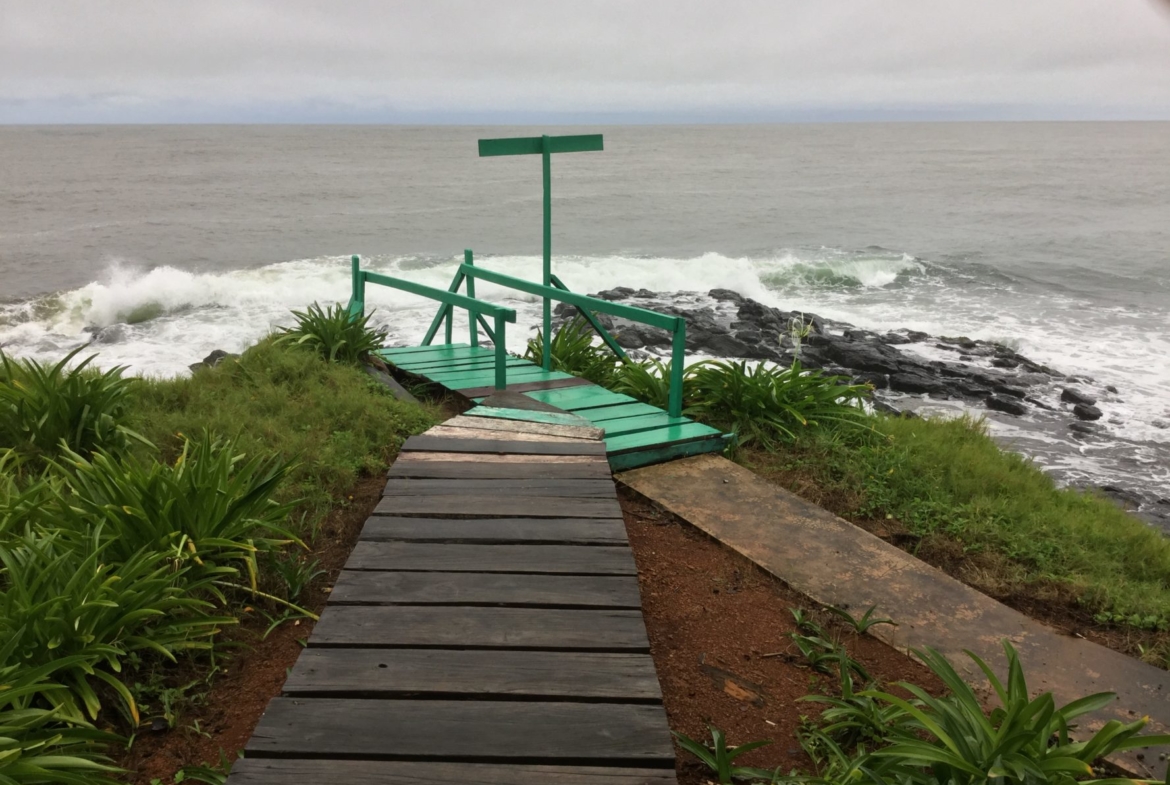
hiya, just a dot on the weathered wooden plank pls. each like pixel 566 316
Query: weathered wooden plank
pixel 480 393
pixel 577 488
pixel 425 443
pixel 359 587
pixel 567 531
pixel 499 457
pixel 275 771
pixel 647 422
pixel 454 627
pixel 410 466
pixel 459 557
pixel 582 431
pixel 601 415
pixel 488 506
pixel 632 459
pixel 471 432
pixel 533 675
pixel 584 398
pixel 660 437
pixel 554 732
pixel 527 415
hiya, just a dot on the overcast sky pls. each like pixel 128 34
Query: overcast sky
pixel 581 60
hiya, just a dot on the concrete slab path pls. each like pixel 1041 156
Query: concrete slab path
pixel 836 563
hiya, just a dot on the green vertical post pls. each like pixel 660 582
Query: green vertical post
pixel 677 358
pixel 449 325
pixel 501 354
pixel 473 338
pixel 357 296
pixel 546 160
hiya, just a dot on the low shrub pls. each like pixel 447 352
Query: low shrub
pixel 572 351
pixel 43 407
pixel 335 333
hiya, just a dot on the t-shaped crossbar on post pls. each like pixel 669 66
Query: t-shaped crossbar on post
pixel 545 146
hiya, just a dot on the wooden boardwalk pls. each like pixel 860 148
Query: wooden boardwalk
pixel 486 629
pixel 636 434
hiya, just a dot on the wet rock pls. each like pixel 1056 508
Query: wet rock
pixel 916 337
pixel 1007 389
pixel 725 295
pixel 1001 403
pixel 1039 404
pixel 966 358
pixel 213 359
pixel 1069 395
pixel 1083 427
pixel 894 339
pixel 879 381
pixel 638 336
pixel 725 345
pixel 616 293
pixel 1111 388
pixel 1087 412
pixel 1126 498
pixel 914 382
pixel 115 333
pixel 749 336
pixel 864 356
pixel 1005 362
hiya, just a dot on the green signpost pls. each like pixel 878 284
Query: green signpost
pixel 544 146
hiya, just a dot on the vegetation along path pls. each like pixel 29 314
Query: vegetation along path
pixel 838 564
pixel 486 628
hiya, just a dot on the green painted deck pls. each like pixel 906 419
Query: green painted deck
pixel 636 434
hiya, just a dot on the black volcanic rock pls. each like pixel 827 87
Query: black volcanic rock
pixel 1001 403
pixel 1087 411
pixel 1069 395
pixel 726 295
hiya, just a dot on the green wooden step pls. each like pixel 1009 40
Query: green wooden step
pixel 604 414
pixel 584 397
pixel 442 352
pixel 667 452
pixel 468 363
pixel 659 436
pixel 646 422
pixel 462 380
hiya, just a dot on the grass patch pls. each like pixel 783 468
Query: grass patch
pixel 330 419
pixel 947 485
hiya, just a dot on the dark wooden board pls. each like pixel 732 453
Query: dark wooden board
pixel 568 733
pixel 424 443
pixel 404 626
pixel 486 470
pixel 473 588
pixel 532 675
pixel 555 384
pixel 498 507
pixel 599 488
pixel 297 771
pixel 457 557
pixel 568 531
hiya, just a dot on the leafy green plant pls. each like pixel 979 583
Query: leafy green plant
pixel 767 405
pixel 39 746
pixel 295 573
pixel 572 351
pixel 211 506
pixel 335 333
pixel 648 381
pixel 67 607
pixel 43 407
pixel 862 625
pixel 720 758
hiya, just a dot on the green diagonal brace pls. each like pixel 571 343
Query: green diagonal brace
pixel 597 326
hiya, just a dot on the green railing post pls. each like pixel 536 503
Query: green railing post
pixel 501 354
pixel 472 326
pixel 357 296
pixel 677 358
pixel 546 160
pixel 450 323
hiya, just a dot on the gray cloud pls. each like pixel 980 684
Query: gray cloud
pixel 226 60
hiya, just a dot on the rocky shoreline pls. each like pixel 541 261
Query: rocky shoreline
pixel 906 368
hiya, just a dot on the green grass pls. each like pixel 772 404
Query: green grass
pixel 976 506
pixel 330 419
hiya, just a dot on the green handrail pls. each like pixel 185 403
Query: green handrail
pixel 675 325
pixel 476 309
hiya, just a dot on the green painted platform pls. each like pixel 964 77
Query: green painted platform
pixel 636 434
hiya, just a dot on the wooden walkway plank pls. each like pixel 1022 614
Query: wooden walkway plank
pixel 527 415
pixel 479 393
pixel 533 675
pixel 453 627
pixel 276 771
pixel 586 397
pixel 493 506
pixel 572 488
pixel 410 467
pixel 550 531
pixel 358 587
pixel 466 431
pixel 584 430
pixel 570 733
pixel 661 436
pixel 456 379
pixel 425 443
pixel 465 363
pixel 457 557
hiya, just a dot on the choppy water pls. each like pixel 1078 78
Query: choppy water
pixel 169 242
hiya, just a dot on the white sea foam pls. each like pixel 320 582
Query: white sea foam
pixel 160 320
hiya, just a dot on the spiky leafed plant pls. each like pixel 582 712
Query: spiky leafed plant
pixel 45 406
pixel 572 351
pixel 335 333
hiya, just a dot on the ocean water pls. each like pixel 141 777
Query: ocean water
pixel 159 244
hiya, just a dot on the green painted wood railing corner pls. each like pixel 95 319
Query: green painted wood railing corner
pixel 450 299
